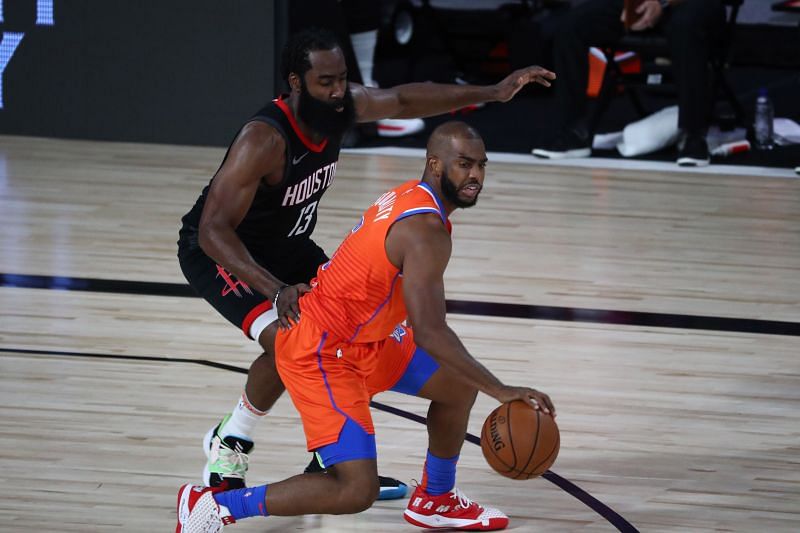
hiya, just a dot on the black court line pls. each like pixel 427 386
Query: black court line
pixel 566 485
pixel 462 307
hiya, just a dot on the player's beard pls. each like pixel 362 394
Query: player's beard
pixel 323 117
pixel 450 192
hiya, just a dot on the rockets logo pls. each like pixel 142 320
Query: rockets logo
pixel 232 284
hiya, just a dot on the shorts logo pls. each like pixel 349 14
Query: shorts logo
pixel 232 285
pixel 398 333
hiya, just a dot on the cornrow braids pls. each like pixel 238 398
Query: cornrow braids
pixel 295 53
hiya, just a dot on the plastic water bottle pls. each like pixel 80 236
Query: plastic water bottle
pixel 763 121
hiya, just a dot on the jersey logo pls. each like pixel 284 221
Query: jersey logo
pixel 320 179
pixel 296 160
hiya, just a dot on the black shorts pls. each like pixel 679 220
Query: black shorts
pixel 233 298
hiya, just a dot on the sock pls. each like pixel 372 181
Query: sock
pixel 244 503
pixel 242 420
pixel 364 49
pixel 439 475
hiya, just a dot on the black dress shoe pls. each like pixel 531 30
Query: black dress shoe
pixel 694 152
pixel 571 143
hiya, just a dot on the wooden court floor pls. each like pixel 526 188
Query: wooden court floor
pixel 660 310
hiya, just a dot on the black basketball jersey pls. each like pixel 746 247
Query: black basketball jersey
pixel 281 216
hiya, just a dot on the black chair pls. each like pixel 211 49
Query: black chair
pixel 649 45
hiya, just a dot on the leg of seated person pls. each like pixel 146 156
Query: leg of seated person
pixel 593 23
pixel 692 28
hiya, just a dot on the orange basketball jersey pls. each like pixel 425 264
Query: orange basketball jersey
pixel 358 294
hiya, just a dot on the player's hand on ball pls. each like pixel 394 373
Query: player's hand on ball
pixel 288 308
pixel 534 398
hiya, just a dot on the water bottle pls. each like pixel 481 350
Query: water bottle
pixel 763 121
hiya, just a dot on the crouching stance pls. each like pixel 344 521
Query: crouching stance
pixel 348 346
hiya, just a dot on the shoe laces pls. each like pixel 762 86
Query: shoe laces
pixel 463 501
pixel 233 463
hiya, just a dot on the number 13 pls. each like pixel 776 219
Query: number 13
pixel 305 219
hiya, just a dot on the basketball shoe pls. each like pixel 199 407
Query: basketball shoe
pixel 199 512
pixel 400 127
pixel 452 510
pixel 390 488
pixel 227 459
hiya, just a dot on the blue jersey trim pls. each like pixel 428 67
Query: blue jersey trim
pixel 353 442
pixel 325 376
pixel 378 310
pixel 442 212
pixel 417 211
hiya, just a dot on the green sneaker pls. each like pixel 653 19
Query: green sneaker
pixel 227 459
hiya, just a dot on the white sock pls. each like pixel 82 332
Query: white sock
pixel 364 49
pixel 243 420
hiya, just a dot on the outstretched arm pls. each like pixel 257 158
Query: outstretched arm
pixel 426 99
pixel 421 246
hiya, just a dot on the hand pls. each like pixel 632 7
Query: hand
pixel 649 14
pixel 515 81
pixel 534 398
pixel 287 307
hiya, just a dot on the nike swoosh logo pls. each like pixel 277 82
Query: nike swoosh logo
pixel 296 160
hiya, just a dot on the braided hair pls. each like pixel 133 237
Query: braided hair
pixel 295 53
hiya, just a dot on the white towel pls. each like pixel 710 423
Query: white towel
pixel 650 134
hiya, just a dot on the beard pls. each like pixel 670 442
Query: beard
pixel 322 117
pixel 450 192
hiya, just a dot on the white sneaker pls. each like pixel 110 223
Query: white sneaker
pixel 400 127
pixel 199 512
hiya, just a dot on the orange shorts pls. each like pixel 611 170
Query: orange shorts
pixel 330 381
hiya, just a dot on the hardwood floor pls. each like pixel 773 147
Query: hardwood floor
pixel 104 399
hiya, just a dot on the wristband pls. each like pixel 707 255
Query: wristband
pixel 277 295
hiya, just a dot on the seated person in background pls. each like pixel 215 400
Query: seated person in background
pixel 690 27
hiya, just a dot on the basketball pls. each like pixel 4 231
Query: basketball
pixel 518 441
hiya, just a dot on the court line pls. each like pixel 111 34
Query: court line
pixel 461 307
pixel 564 484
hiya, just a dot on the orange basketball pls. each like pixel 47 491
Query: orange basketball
pixel 518 441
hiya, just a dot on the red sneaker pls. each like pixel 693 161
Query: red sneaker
pixel 452 510
pixel 199 512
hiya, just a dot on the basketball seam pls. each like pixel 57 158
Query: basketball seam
pixel 555 447
pixel 524 470
pixel 491 448
pixel 511 436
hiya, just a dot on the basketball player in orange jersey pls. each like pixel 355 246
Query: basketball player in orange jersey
pixel 348 346
pixel 246 245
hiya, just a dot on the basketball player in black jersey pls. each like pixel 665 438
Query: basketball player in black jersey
pixel 246 244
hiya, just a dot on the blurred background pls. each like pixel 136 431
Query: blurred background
pixel 186 72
